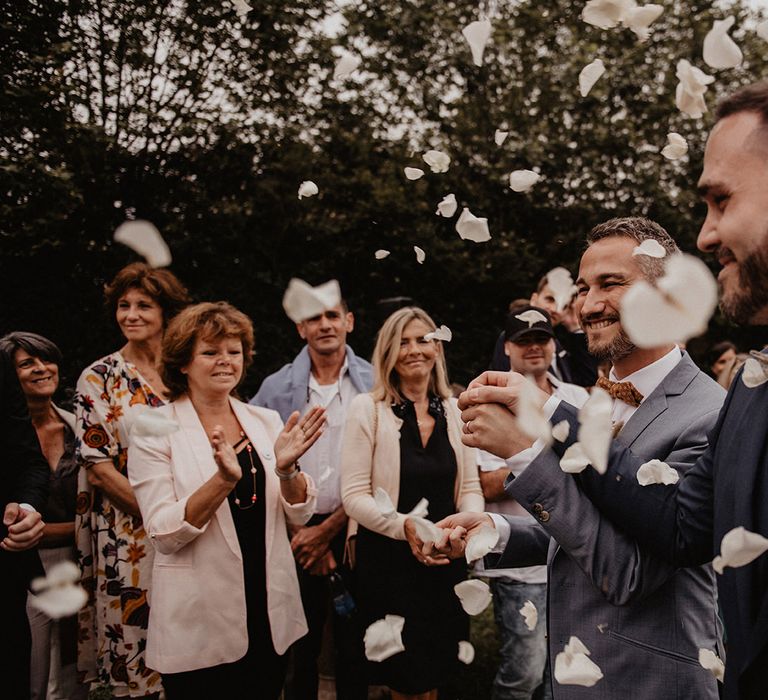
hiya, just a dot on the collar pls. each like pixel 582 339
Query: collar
pixel 647 378
pixel 314 386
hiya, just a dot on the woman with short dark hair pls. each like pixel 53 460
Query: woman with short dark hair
pixel 114 553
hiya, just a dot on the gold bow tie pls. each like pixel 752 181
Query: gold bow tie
pixel 623 391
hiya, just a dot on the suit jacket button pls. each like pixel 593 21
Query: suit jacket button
pixel 537 508
pixel 544 516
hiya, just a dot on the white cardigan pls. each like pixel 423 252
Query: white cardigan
pixel 197 593
pixel 369 461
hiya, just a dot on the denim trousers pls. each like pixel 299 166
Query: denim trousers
pixel 523 672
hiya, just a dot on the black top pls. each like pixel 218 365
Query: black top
pixel 62 494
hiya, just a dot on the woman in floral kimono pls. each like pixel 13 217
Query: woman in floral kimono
pixel 113 551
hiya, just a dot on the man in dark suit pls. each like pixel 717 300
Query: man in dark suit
pixel 728 485
pixel 24 475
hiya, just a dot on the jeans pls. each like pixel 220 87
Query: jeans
pixel 523 672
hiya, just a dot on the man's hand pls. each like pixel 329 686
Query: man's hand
pixel 310 544
pixel 324 566
pixel 498 387
pixel 458 529
pixel 423 552
pixel 493 428
pixel 25 528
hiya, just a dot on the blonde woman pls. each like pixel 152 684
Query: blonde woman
pixel 404 437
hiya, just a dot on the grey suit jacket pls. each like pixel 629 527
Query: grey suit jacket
pixel 642 620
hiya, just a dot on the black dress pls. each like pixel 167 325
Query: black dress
pixel 392 582
pixel 261 672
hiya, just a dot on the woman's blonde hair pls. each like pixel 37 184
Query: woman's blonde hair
pixel 386 386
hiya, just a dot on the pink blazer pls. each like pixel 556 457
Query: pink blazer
pixel 197 595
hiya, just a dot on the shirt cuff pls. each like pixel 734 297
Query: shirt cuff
pixel 502 526
pixel 28 507
pixel 550 407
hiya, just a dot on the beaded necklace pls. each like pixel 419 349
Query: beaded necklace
pixel 252 498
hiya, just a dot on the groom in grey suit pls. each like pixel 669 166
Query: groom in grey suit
pixel 643 621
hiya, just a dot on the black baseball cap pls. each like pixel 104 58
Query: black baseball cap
pixel 526 320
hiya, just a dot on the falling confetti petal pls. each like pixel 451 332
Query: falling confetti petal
pixel 302 301
pixel 346 65
pixel 605 14
pixel 413 173
pixel 739 547
pixel 689 94
pixel 420 510
pixel 712 663
pixel 720 51
pixel 574 667
pixel 437 161
pixel 676 309
pixel 384 638
pixel 381 254
pixel 639 19
pixel 589 75
pixel 481 543
pixel 443 333
pixel 472 228
pixel 500 136
pixel 426 530
pixel 657 472
pixel 531 317
pixel 421 256
pixel 676 146
pixel 523 180
pixel 447 206
pixel 530 615
pixel 559 280
pixel 762 30
pixel 151 423
pixel 755 373
pixel 477 35
pixel 241 7
pixel 651 248
pixel 142 237
pixel 530 416
pixel 595 428
pixel 474 595
pixel 307 189
pixel 384 503
pixel 466 653
pixel 561 430
pixel 58 594
pixel 574 460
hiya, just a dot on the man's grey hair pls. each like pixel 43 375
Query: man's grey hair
pixel 639 229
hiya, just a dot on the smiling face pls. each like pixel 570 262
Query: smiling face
pixel 38 378
pixel 417 356
pixel 139 316
pixel 531 353
pixel 326 334
pixel 734 186
pixel 606 272
pixel 216 366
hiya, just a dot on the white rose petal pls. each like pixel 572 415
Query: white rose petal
pixel 443 333
pixel 151 423
pixel 447 206
pixel 762 30
pixel 426 530
pixel 302 301
pixel 676 309
pixel 61 574
pixel 420 510
pixel 530 416
pixel 413 173
pixel 324 476
pixel 61 601
pixel 482 542
pixel 384 503
pixel 523 180
pixel 657 472
pixel 500 136
pixel 689 94
pixel 720 51
pixel 437 161
pixel 307 189
pixel 559 280
pixel 651 248
pixel 561 430
pixel 346 65
pixel 421 256
pixel 712 663
pixel 676 146
pixel 739 547
pixel 142 237
pixel 472 228
pixel 531 317
pixel 755 373
pixel 381 254
pixel 241 7
pixel 477 35
pixel 466 652
pixel 530 615
pixel 574 459
pixel 574 667
pixel 639 19
pixel 589 75
pixel 474 595
pixel 606 14
pixel 596 429
pixel 384 638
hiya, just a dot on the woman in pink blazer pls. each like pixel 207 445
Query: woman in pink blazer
pixel 216 481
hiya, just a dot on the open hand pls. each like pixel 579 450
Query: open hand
pixel 225 457
pixel 298 435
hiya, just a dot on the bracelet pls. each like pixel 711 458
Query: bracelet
pixel 290 475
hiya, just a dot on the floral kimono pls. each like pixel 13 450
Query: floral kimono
pixel 113 551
